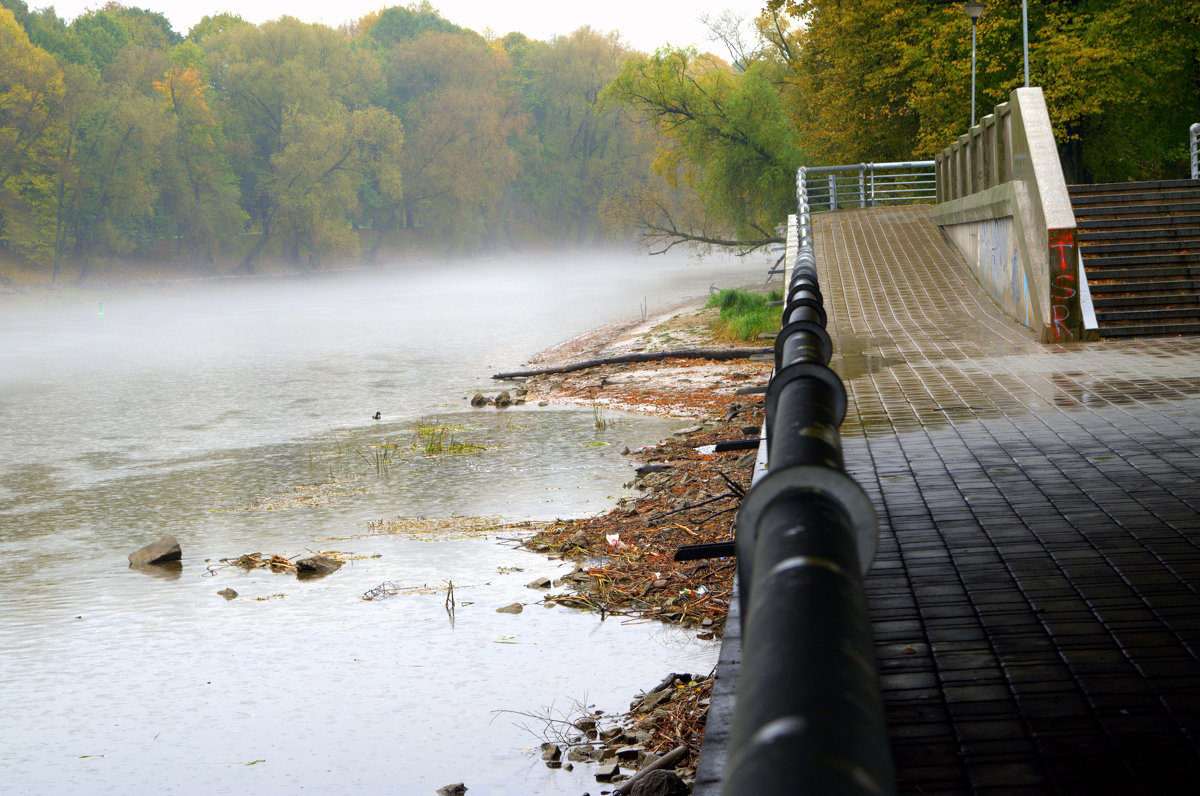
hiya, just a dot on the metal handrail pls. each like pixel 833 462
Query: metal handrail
pixel 1195 135
pixel 872 184
pixel 808 716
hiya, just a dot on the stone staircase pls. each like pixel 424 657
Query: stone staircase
pixel 1140 243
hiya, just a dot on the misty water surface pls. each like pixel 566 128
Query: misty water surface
pixel 198 410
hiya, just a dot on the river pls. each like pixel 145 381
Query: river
pixel 236 416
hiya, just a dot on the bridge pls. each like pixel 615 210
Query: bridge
pixel 1033 463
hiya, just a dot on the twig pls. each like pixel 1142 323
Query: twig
pixel 666 514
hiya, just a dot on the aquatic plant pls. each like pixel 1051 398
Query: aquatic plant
pixel 434 438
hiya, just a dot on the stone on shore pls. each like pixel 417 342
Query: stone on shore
pixel 540 583
pixel 504 399
pixel 316 566
pixel 608 773
pixel 478 400
pixel 551 751
pixel 164 551
pixel 660 783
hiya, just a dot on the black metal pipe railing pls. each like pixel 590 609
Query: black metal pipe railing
pixel 808 717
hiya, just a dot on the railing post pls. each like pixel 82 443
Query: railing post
pixel 862 186
pixel 833 192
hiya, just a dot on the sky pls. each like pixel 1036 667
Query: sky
pixel 644 24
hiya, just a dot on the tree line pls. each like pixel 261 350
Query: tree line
pixel 120 138
pixel 238 142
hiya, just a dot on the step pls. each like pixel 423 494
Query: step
pixel 1121 187
pixel 1143 330
pixel 1110 316
pixel 1133 198
pixel 1180 300
pixel 1162 285
pixel 1143 260
pixel 1174 246
pixel 1170 209
pixel 1165 235
pixel 1137 222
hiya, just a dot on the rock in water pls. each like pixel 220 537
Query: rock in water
pixel 504 399
pixel 316 566
pixel 478 400
pixel 514 608
pixel 164 551
pixel 660 783
pixel 228 594
pixel 457 789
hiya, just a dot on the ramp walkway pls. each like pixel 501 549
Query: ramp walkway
pixel 1036 597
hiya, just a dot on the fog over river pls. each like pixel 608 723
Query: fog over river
pixel 198 410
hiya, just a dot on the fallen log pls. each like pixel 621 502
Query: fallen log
pixel 680 353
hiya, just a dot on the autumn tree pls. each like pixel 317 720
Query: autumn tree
pixel 31 91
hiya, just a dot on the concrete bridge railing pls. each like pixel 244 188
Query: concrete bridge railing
pixel 1003 200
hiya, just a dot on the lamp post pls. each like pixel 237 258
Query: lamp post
pixel 1025 37
pixel 974 10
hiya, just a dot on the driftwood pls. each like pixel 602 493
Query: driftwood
pixel 681 353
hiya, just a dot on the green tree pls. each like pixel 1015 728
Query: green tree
pixel 273 82
pixel 198 192
pixel 727 138
pixel 577 156
pixel 459 118
pixel 890 80
pixel 31 92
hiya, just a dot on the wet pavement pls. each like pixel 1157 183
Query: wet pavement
pixel 1036 597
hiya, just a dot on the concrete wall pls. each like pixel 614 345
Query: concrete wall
pixel 1003 201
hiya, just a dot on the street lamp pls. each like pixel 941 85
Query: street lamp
pixel 973 10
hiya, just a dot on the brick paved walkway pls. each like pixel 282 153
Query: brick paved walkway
pixel 1036 598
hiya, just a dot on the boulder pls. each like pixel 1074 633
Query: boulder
pixel 164 551
pixel 580 754
pixel 660 783
pixel 551 751
pixel 478 400
pixel 515 608
pixel 608 773
pixel 540 583
pixel 228 594
pixel 504 399
pixel 317 566
pixel 457 789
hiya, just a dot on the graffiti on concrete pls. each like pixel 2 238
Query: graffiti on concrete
pixel 1063 287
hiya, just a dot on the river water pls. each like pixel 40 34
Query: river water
pixel 236 416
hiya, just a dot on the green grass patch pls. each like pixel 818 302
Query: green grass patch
pixel 744 315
